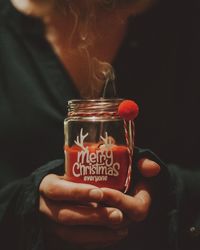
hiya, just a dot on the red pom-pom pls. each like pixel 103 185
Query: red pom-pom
pixel 128 110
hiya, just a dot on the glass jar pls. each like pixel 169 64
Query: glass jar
pixel 98 144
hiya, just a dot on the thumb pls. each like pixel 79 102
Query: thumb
pixel 148 168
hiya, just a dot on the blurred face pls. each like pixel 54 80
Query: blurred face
pixel 95 29
pixel 45 7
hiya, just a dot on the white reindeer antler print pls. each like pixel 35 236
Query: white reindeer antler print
pixel 108 141
pixel 80 139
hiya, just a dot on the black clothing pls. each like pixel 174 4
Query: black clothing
pixel 158 61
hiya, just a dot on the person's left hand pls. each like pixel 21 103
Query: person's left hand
pixel 135 206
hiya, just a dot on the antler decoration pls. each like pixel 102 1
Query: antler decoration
pixel 80 139
pixel 108 141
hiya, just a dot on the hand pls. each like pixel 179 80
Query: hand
pixel 135 206
pixel 74 216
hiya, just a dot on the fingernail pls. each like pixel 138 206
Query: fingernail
pixel 116 216
pixel 96 194
pixel 122 233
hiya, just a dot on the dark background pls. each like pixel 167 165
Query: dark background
pixel 161 71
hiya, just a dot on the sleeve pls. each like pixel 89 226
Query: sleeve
pixel 174 219
pixel 20 227
pixel 185 188
pixel 153 233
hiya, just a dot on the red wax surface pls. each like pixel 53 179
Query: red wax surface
pixel 97 166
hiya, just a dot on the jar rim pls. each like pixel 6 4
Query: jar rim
pixel 99 100
pixel 95 107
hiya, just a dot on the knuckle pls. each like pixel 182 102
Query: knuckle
pixel 53 190
pixel 141 211
pixel 112 197
pixel 99 216
pixel 62 217
pixel 118 197
pixel 98 219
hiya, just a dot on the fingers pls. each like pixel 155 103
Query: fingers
pixel 148 168
pixel 68 214
pixel 135 207
pixel 59 195
pixel 88 236
pixel 56 188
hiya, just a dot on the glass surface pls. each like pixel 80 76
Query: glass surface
pixel 97 147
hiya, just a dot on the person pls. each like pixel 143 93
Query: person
pixel 44 62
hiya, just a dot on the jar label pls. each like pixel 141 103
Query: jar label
pixel 102 164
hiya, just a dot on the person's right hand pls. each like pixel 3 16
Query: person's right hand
pixel 74 216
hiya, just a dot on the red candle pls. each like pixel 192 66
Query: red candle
pixel 97 165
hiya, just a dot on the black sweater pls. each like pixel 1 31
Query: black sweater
pixel 157 66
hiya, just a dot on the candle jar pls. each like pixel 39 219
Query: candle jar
pixel 98 144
